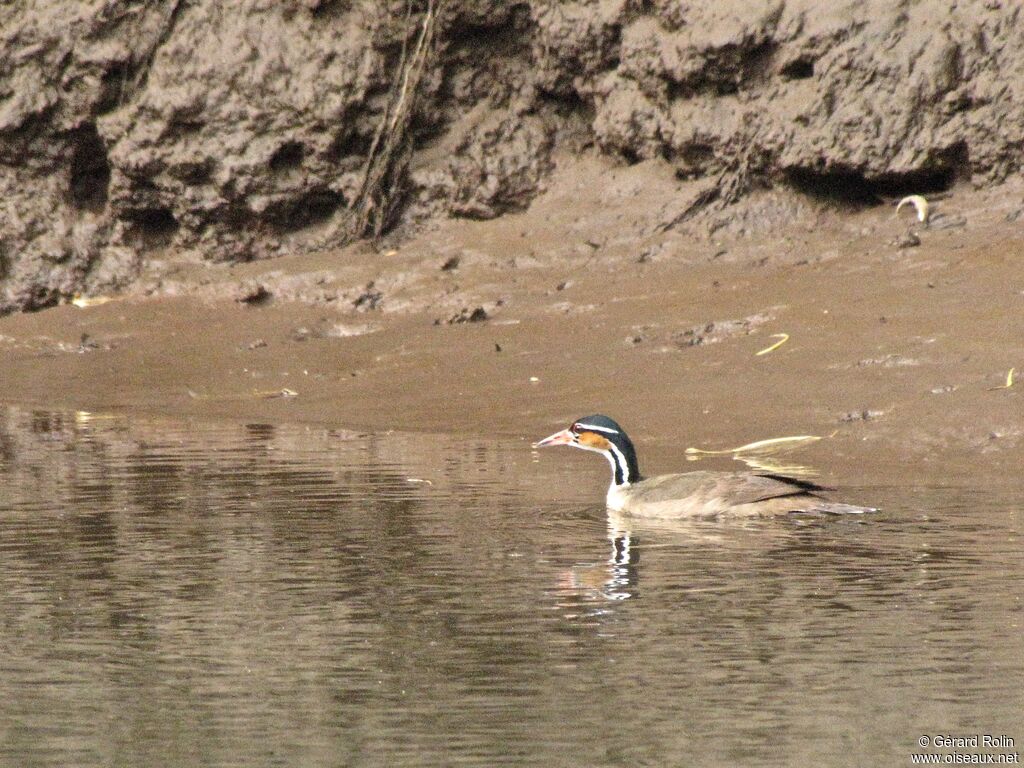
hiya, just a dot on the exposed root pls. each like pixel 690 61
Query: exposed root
pixel 387 162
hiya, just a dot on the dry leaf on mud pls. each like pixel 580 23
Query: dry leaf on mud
pixel 279 393
pixel 782 339
pixel 90 301
pixel 919 203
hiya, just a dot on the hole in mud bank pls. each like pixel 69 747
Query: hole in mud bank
pixel 194 173
pixel 853 188
pixel 756 63
pixel 348 144
pixel 113 85
pixel 311 208
pixel 328 8
pixel 37 298
pixel 798 69
pixel 503 37
pixel 691 160
pixel 630 155
pixel 496 40
pixel 846 187
pixel 151 227
pixel 184 125
pixel 234 215
pixel 570 104
pixel 575 126
pixel 289 155
pixel 676 91
pixel 90 170
pixel 426 128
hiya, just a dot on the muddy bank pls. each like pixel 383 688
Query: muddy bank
pixel 178 132
pixel 899 355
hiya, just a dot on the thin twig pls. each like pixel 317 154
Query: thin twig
pixel 388 158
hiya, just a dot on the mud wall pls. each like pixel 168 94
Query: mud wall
pixel 204 130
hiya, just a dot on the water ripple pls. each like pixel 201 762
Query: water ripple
pixel 183 593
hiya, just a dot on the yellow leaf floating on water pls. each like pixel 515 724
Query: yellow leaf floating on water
pixel 764 464
pixel 782 339
pixel 1009 381
pixel 772 445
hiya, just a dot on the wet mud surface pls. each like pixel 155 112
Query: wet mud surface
pixel 898 355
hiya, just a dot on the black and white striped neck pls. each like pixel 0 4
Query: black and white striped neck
pixel 619 450
pixel 622 457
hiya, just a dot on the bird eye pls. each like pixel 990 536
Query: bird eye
pixel 575 429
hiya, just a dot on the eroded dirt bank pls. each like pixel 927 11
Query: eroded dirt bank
pixel 899 351
pixel 136 131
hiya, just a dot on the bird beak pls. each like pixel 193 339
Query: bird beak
pixel 565 437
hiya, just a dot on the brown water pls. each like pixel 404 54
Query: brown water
pixel 255 595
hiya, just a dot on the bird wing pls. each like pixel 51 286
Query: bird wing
pixel 712 492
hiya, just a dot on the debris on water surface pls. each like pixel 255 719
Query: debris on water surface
pixel 1009 381
pixel 771 445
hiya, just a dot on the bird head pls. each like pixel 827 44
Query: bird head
pixel 603 435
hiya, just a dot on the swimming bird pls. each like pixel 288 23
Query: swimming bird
pixel 690 494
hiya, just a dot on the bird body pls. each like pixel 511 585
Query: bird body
pixel 690 494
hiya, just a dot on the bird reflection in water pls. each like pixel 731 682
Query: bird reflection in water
pixel 617 578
